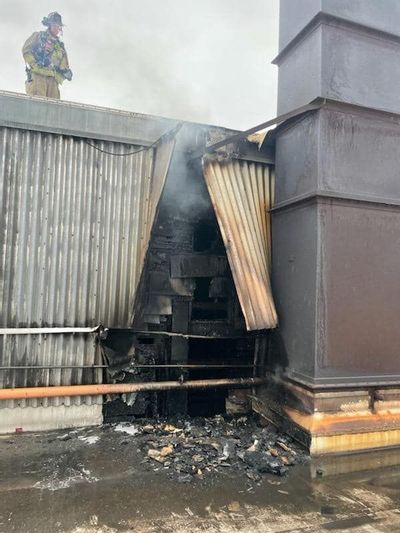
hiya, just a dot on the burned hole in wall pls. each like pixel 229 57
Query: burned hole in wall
pixel 204 235
pixel 145 340
pixel 206 305
pixel 207 237
pixel 209 352
pixel 212 290
pixel 129 358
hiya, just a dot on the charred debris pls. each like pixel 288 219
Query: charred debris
pixel 187 323
pixel 191 449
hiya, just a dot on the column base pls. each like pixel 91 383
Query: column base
pixel 333 422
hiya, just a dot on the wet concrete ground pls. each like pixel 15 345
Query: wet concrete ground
pixel 93 483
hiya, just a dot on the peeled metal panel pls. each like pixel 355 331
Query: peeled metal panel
pixel 74 229
pixel 149 202
pixel 242 193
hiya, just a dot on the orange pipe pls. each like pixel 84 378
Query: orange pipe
pixel 115 388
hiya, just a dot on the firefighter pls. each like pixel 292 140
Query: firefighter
pixel 46 59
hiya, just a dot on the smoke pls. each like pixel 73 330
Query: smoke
pixel 185 193
pixel 205 61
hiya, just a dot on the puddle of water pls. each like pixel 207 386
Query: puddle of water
pixel 355 463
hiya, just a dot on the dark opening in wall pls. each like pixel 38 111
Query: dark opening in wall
pixel 211 352
pixel 120 351
pixel 202 290
pixel 204 236
pixel 204 307
pixel 145 340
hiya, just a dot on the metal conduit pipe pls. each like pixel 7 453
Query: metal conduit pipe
pixel 115 388
pixel 61 367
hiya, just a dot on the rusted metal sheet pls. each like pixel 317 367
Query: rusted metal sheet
pixel 74 229
pixel 242 195
pixel 344 432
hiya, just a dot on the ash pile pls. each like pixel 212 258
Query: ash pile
pixel 193 448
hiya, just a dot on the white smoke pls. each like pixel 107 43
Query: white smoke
pixel 205 61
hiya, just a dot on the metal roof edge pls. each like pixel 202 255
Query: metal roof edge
pixel 67 118
pixel 36 113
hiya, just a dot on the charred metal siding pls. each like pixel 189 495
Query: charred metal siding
pixel 74 229
pixel 242 195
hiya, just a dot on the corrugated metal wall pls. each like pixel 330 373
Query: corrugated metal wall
pixel 242 194
pixel 74 229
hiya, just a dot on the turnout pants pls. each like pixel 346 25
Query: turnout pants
pixel 42 86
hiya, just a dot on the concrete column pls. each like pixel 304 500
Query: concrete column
pixel 336 224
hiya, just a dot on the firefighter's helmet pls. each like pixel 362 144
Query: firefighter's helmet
pixel 52 18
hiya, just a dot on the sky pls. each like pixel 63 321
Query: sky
pixel 206 61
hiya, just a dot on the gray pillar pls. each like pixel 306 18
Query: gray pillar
pixel 336 256
pixel 347 50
